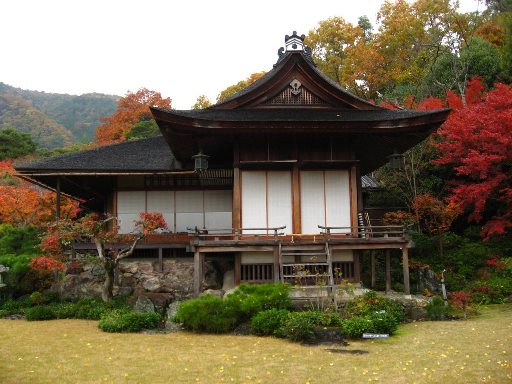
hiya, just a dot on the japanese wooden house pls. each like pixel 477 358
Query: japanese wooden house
pixel 281 195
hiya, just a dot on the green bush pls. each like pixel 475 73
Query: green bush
pixel 356 326
pixel 251 299
pixel 269 322
pixel 370 303
pixel 437 310
pixel 300 326
pixel 383 323
pixel 208 314
pixel 41 312
pixel 128 321
pixel 495 290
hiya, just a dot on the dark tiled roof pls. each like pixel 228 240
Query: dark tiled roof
pixel 298 114
pixel 151 154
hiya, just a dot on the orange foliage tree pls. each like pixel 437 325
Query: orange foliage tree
pixel 131 109
pixel 22 204
pixel 97 228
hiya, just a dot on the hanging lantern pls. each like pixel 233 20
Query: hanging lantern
pixel 396 161
pixel 200 162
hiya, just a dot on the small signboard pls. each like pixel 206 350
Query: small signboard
pixel 375 335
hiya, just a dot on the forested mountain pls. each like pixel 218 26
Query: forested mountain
pixel 52 119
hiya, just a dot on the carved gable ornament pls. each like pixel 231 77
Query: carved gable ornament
pixel 295 94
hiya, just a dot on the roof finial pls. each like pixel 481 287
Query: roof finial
pixel 294 42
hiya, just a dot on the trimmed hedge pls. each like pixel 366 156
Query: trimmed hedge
pixel 269 322
pixel 375 323
pixel 371 303
pixel 128 321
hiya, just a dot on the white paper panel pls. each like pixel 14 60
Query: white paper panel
pixel 337 196
pixel 256 257
pixel 254 204
pixel 312 201
pixel 279 189
pixel 342 255
pixel 218 220
pixel 218 201
pixel 131 202
pixel 189 220
pixel 125 222
pixel 189 201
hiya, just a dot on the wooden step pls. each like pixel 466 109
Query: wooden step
pixel 302 276
pixel 294 264
pixel 304 254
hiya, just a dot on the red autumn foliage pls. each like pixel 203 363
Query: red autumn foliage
pixel 23 204
pixel 477 142
pixel 434 215
pixel 151 222
pixel 494 262
pixel 460 299
pixel 131 109
pixel 430 103
pixel 46 264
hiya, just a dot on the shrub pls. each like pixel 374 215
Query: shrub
pixel 356 326
pixel 128 321
pixel 208 314
pixel 384 323
pixel 370 303
pixel 437 310
pixel 300 326
pixel 495 290
pixel 251 299
pixel 269 322
pixel 41 312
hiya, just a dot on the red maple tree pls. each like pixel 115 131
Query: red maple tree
pixel 477 141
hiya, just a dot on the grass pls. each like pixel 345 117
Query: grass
pixel 76 351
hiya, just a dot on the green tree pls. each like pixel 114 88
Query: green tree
pixel 235 88
pixel 15 144
pixel 142 130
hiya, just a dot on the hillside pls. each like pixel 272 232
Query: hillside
pixel 54 120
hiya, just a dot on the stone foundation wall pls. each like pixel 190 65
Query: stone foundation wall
pixel 137 277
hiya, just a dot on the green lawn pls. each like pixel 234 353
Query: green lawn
pixel 76 351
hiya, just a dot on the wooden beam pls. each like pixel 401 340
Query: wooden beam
pixel 277 266
pixel 405 262
pixel 198 271
pixel 357 267
pixel 237 199
pixel 296 213
pixel 388 270
pixel 374 277
pixel 238 268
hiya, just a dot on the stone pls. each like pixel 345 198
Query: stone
pixel 125 291
pixel 98 270
pixel 144 304
pixel 213 292
pixel 152 285
pixel 212 276
pixel 128 267
pixel 229 280
pixel 145 267
pixel 160 300
pixel 172 310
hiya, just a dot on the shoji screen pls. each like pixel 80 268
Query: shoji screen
pixel 279 200
pixel 163 202
pixel 325 199
pixel 218 209
pixel 254 200
pixel 129 205
pixel 266 200
pixel 312 200
pixel 189 210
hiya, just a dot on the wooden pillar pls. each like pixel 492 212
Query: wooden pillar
pixel 405 262
pixel 388 270
pixel 296 215
pixel 198 271
pixel 237 200
pixel 374 278
pixel 277 266
pixel 160 259
pixel 57 200
pixel 238 268
pixel 357 267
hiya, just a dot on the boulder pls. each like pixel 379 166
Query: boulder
pixel 152 285
pixel 128 267
pixel 98 270
pixel 172 310
pixel 144 304
pixel 229 280
pixel 159 300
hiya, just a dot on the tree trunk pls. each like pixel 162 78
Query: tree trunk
pixel 108 285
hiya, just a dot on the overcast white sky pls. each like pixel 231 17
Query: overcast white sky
pixel 182 49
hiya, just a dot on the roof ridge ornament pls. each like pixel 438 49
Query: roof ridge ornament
pixel 295 43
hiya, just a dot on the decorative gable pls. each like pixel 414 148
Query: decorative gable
pixel 295 94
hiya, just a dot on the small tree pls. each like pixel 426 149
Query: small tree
pixel 102 231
